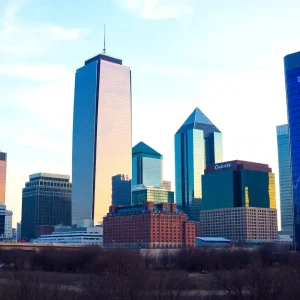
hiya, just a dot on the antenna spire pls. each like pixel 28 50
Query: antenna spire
pixel 104 48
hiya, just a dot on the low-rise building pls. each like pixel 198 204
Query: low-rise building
pixel 148 225
pixel 240 224
pixel 73 235
pixel 215 242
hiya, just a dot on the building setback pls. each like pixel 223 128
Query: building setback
pixel 240 224
pixel 292 85
pixel 101 135
pixel 141 194
pixel 237 184
pixel 148 225
pixel 198 143
pixel 284 164
pixel 46 200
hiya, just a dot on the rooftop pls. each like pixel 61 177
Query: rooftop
pixel 142 148
pixel 104 57
pixel 213 239
pixel 237 165
pixel 198 120
pixel 49 175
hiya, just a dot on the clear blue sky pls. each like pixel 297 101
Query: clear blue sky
pixel 226 57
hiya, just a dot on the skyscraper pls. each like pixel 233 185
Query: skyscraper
pixel 198 143
pixel 292 85
pixel 46 200
pixel 3 161
pixel 147 166
pixel 284 163
pixel 121 190
pixel 101 135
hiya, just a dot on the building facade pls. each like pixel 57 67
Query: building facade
pixel 292 85
pixel 121 190
pixel 73 236
pixel 101 135
pixel 19 235
pixel 238 183
pixel 284 164
pixel 240 224
pixel 3 164
pixel 46 200
pixel 198 143
pixel 141 194
pixel 167 185
pixel 147 166
pixel 148 225
pixel 8 224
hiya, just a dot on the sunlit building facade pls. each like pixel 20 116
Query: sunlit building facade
pixel 148 225
pixel 284 164
pixel 3 162
pixel 141 194
pixel 292 84
pixel 147 166
pixel 101 135
pixel 240 224
pixel 198 143
pixel 238 184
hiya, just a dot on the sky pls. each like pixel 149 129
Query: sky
pixel 225 57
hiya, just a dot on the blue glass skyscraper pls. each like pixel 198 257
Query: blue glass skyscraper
pixel 198 143
pixel 147 166
pixel 101 153
pixel 292 85
pixel 284 163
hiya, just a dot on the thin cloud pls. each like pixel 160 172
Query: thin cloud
pixel 157 9
pixel 38 72
pixel 19 38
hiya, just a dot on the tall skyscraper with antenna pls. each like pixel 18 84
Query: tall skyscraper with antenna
pixel 101 135
pixel 198 143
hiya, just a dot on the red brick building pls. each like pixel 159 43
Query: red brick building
pixel 148 225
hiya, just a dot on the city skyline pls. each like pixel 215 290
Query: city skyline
pixel 38 76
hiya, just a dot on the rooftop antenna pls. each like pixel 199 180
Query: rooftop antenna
pixel 104 48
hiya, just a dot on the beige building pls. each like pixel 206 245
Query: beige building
pixel 240 223
pixel 3 160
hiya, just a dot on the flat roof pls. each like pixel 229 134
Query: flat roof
pixel 235 165
pixel 49 175
pixel 213 239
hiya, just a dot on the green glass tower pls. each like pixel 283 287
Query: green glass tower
pixel 198 143
pixel 147 166
pixel 238 184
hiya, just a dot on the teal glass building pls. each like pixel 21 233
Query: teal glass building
pixel 238 184
pixel 284 164
pixel 147 166
pixel 198 143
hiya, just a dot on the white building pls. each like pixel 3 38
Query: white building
pixel 73 235
pixel 5 222
pixel 8 224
